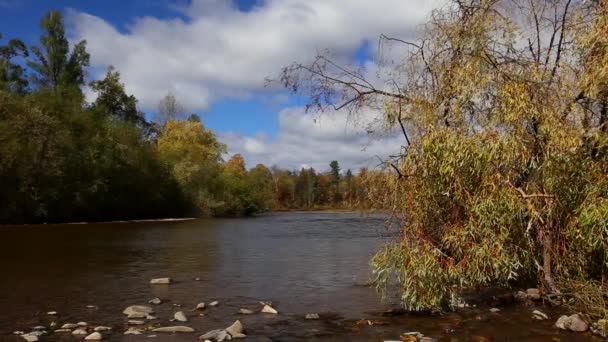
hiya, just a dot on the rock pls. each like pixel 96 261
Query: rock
pixel 538 315
pixel 177 305
pixel 94 337
pixel 39 328
pixel 239 335
pixel 180 316
pixel 53 324
pixel 135 322
pixel 160 281
pixel 18 332
pixel 533 294
pixel 246 312
pixel 150 317
pixel 69 326
pixel 155 301
pixel 573 323
pixel 52 313
pixel 217 335
pixel 138 311
pixel 197 279
pixel 262 303
pixel 30 337
pixel 37 333
pixel 494 310
pixel 214 303
pixel 200 306
pixel 174 329
pixel 235 328
pixel 133 331
pixel 312 316
pixel 82 324
pixel 91 306
pixel 62 330
pixel 151 336
pixel 80 331
pixel 269 310
pixel 102 328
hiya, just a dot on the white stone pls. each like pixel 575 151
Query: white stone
pixel 539 315
pixel 133 332
pixel 94 337
pixel 235 328
pixel 269 310
pixel 155 301
pixel 200 306
pixel 135 322
pixel 62 331
pixel 30 337
pixel 69 326
pixel 52 313
pixel 246 312
pixel 102 328
pixel 312 316
pixel 174 329
pixel 494 310
pixel 160 281
pixel 82 324
pixel 138 311
pixel 39 328
pixel 80 332
pixel 180 316
pixel 214 303
pixel 18 332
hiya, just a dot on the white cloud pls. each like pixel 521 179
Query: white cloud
pixel 220 52
pixel 306 140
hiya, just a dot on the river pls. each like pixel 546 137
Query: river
pixel 301 262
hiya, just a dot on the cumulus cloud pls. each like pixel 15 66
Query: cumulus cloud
pixel 306 140
pixel 217 51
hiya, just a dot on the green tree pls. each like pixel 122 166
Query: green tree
pixel 12 75
pixel 112 99
pixel 335 181
pixel 54 65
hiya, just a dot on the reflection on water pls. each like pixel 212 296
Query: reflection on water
pixel 302 262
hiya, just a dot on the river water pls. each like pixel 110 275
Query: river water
pixel 301 262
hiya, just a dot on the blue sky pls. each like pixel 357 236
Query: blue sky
pixel 215 54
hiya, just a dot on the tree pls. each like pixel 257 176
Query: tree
pixel 12 75
pixel 503 162
pixel 335 181
pixel 55 65
pixel 169 108
pixel 112 99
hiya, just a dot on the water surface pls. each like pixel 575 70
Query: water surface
pixel 302 262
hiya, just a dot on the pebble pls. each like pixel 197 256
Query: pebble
pixel 160 281
pixel 538 315
pixel 62 330
pixel 246 312
pixel 135 322
pixel 80 332
pixel 94 337
pixel 494 310
pixel 312 316
pixel 69 326
pixel 155 301
pixel 52 313
pixel 200 306
pixel 269 310
pixel 102 328
pixel 214 303
pixel 180 316
pixel 82 324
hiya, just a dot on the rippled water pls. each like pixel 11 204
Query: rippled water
pixel 302 262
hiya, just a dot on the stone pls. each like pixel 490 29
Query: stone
pixel 91 306
pixel 533 294
pixel 135 322
pixel 102 328
pixel 269 310
pixel 217 335
pixel 155 301
pixel 37 333
pixel 495 310
pixel 573 323
pixel 96 336
pixel 151 336
pixel 30 337
pixel 200 306
pixel 235 328
pixel 138 311
pixel 246 312
pixel 214 303
pixel 52 313
pixel 150 317
pixel 132 331
pixel 39 328
pixel 160 281
pixel 69 326
pixel 82 324
pixel 239 335
pixel 197 279
pixel 62 331
pixel 174 329
pixel 80 331
pixel 538 315
pixel 53 324
pixel 312 316
pixel 18 332
pixel 180 316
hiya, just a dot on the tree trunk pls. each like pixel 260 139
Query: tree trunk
pixel 548 282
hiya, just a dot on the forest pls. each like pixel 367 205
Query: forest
pixel 65 160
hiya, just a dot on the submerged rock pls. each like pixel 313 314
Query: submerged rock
pixel 539 316
pixel 138 311
pixel 180 316
pixel 174 329
pixel 155 301
pixel 30 337
pixel 96 336
pixel 246 312
pixel 69 326
pixel 214 303
pixel 102 328
pixel 312 316
pixel 80 331
pixel 269 310
pixel 235 329
pixel 160 281
pixel 573 323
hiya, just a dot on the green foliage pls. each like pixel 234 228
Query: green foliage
pixel 12 75
pixel 112 99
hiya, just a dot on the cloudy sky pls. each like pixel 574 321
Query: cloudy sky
pixel 216 54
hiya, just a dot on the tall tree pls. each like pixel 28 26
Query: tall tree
pixel 112 99
pixel 12 75
pixel 55 65
pixel 169 108
pixel 334 173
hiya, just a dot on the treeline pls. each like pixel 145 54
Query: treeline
pixel 63 159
